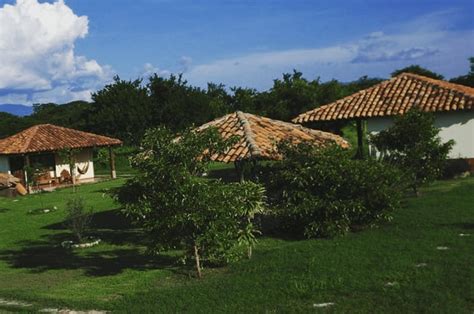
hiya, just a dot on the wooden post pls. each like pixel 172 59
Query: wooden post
pixel 239 167
pixel 360 139
pixel 27 165
pixel 113 173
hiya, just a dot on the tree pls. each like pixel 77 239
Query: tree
pixel 290 96
pixel 244 99
pixel 11 124
pixel 468 79
pixel 416 69
pixel 123 110
pixel 179 106
pixel 412 143
pixel 208 219
pixel 71 115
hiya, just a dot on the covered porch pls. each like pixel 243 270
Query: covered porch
pixel 47 156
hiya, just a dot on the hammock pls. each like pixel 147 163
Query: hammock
pixel 84 169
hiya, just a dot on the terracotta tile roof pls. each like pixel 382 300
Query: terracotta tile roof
pixel 393 97
pixel 48 137
pixel 258 136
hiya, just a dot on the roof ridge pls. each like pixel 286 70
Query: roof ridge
pixel 362 91
pixel 248 134
pixel 440 83
pixel 33 129
pixel 321 133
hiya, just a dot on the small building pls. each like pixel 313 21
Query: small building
pixel 451 104
pixel 59 153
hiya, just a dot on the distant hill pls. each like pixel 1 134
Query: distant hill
pixel 17 110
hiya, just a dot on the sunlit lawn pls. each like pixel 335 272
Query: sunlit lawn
pixel 394 268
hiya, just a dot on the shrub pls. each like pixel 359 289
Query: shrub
pixel 209 220
pixel 455 167
pixel 78 217
pixel 322 192
pixel 413 145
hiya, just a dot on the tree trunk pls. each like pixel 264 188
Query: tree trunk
pixel 113 173
pixel 360 140
pixel 249 253
pixel 415 190
pixel 198 264
pixel 72 169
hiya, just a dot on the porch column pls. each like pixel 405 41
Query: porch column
pixel 25 172
pixel 239 168
pixel 113 173
pixel 360 139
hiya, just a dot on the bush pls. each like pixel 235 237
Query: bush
pixel 455 167
pixel 323 192
pixel 78 217
pixel 412 144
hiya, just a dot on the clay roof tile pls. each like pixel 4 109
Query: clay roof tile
pixel 393 97
pixel 48 137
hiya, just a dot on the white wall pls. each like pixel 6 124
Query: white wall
pixel 82 158
pixel 4 164
pixel 458 126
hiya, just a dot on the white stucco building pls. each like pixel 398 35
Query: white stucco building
pixel 457 126
pixel 451 104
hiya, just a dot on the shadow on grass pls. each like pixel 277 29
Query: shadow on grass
pixel 4 210
pixel 111 227
pixel 41 258
pixel 460 225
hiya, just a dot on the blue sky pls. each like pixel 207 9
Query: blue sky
pixel 246 43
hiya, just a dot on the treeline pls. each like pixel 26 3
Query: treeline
pixel 125 109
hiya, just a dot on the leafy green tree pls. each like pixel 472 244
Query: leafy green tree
pixel 412 143
pixel 211 221
pixel 121 109
pixel 245 99
pixel 11 124
pixel 468 79
pixel 179 105
pixel 72 115
pixel 290 96
pixel 416 69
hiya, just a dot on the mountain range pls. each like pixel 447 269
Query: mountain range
pixel 17 110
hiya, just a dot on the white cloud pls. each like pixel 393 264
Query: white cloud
pixel 185 63
pixel 427 41
pixel 149 70
pixel 37 49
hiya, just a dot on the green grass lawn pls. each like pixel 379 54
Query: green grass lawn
pixel 283 276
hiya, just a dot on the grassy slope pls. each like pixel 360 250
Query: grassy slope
pixel 284 275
